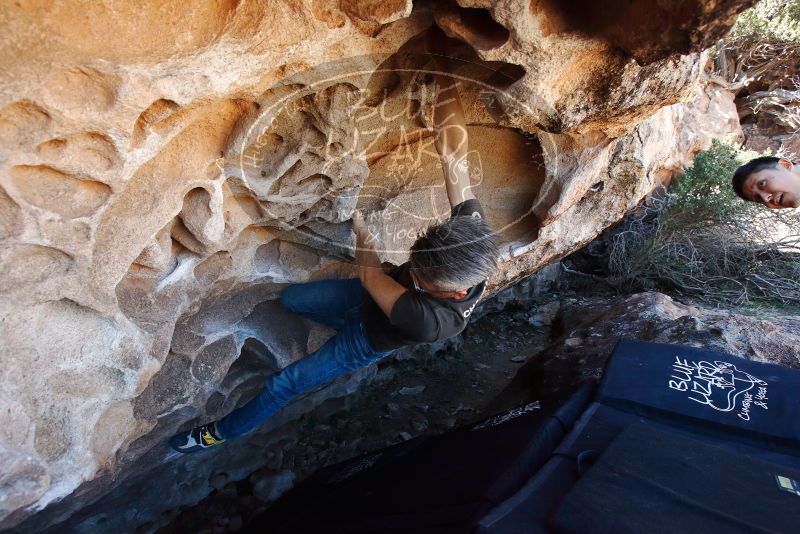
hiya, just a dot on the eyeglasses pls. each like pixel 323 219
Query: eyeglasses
pixel 416 283
pixel 422 289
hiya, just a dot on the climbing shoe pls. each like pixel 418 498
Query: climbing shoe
pixel 196 439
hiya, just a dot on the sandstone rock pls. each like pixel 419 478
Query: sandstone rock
pixel 27 264
pixel 647 317
pixel 22 122
pixel 84 153
pixel 420 424
pixel 165 172
pixel 544 315
pixel 647 31
pixel 219 480
pixel 269 488
pixel 117 31
pixel 23 479
pixel 378 11
pixel 81 90
pixel 10 214
pixel 59 192
pixel 317 336
pixel 111 432
pixel 152 119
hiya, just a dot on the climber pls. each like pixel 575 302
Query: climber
pixel 426 299
pixel 773 182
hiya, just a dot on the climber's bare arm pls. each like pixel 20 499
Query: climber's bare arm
pixel 383 289
pixel 451 140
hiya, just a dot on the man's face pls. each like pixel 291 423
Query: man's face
pixel 777 187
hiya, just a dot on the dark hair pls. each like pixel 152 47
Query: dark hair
pixel 753 166
pixel 455 254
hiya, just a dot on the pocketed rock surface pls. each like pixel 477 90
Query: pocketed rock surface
pixel 166 171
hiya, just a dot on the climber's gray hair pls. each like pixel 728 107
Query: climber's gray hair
pixel 455 254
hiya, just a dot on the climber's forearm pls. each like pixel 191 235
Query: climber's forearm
pixel 366 256
pixel 452 141
pixel 383 289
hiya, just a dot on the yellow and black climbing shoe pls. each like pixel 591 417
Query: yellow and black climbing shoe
pixel 198 438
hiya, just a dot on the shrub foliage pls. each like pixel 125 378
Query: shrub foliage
pixel 700 240
pixel 770 19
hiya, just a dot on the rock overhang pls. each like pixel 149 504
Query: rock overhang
pixel 137 242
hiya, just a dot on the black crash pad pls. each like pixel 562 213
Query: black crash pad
pixel 658 480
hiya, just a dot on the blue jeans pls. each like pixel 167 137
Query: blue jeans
pixel 336 303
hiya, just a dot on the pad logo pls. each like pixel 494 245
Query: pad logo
pixel 719 385
pixel 363 464
pixel 508 416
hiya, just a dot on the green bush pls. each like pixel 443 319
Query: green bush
pixel 704 191
pixel 699 239
pixel 771 19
